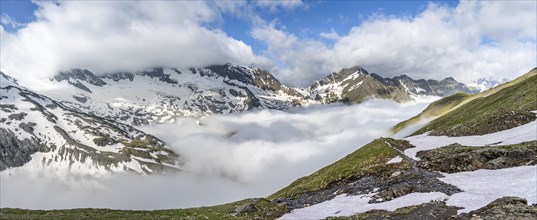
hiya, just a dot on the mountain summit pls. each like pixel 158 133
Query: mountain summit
pixel 355 85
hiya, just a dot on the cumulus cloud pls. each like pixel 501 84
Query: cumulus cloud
pixel 298 61
pixel 120 35
pixel 330 35
pixel 228 158
pixel 274 5
pixel 485 39
pixel 476 39
pixel 8 21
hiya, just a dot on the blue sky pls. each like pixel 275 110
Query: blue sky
pixel 298 41
pixel 20 11
pixel 323 16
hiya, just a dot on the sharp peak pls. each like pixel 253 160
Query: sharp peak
pixel 347 72
pixel 353 69
pixel 449 79
pixel 404 76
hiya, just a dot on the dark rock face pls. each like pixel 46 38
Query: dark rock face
pixel 505 208
pixel 18 116
pixel 80 75
pixel 457 158
pixel 80 85
pixel 427 211
pixel 245 208
pixel 15 152
pixel 119 76
pixel 232 73
pixel 76 77
pixel 159 74
pixel 82 99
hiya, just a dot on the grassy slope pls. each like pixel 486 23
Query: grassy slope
pixel 473 114
pixel 370 158
pixel 253 209
pixel 503 109
pixel 436 108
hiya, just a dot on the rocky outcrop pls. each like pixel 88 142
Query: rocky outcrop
pixel 457 158
pixel 504 208
pixel 15 152
pixel 83 75
pixel 159 74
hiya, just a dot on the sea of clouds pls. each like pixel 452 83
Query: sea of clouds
pixel 228 158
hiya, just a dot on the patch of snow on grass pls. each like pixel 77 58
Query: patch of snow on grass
pixel 395 160
pixel 524 133
pixel 481 187
pixel 344 205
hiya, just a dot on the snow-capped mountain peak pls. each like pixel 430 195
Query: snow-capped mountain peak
pixel 485 84
pixel 160 94
pixel 356 85
pixel 49 134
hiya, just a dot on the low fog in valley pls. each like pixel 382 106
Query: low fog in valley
pixel 228 158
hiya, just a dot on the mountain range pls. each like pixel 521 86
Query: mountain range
pixel 85 123
pixel 161 94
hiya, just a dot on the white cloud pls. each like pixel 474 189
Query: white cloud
pixel 8 21
pixel 234 7
pixel 486 39
pixel 229 158
pixel 330 35
pixel 298 61
pixel 119 35
pixel 275 5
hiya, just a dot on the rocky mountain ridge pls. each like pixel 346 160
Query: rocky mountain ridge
pixel 160 95
pixel 355 85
